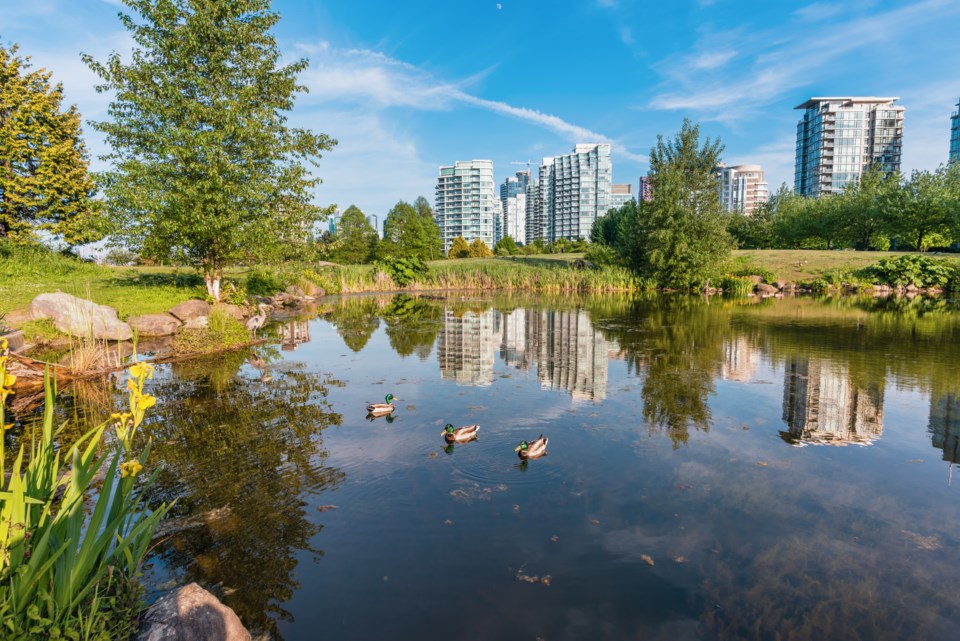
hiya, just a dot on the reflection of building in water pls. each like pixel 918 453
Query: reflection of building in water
pixel 740 361
pixel 294 332
pixel 568 352
pixel 822 406
pixel 513 344
pixel 467 347
pixel 944 425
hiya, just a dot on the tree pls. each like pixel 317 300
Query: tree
pixel 681 239
pixel 459 248
pixel 506 246
pixel 356 238
pixel 867 208
pixel 410 231
pixel 925 205
pixel 204 164
pixel 479 249
pixel 45 184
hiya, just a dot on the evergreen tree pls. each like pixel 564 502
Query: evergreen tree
pixel 204 164
pixel 44 179
pixel 409 231
pixel 479 249
pixel 356 239
pixel 681 239
pixel 459 248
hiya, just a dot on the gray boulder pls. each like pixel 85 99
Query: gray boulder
pixel 188 310
pixel 197 323
pixel 80 318
pixel 765 290
pixel 190 613
pixel 234 311
pixel 155 324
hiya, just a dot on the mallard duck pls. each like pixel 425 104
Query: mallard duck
pixel 533 449
pixel 459 434
pixel 379 409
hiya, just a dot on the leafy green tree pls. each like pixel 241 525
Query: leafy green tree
pixel 754 231
pixel 45 184
pixel 204 164
pixel 866 210
pixel 479 249
pixel 356 239
pixel 681 240
pixel 506 246
pixel 410 231
pixel 459 248
pixel 926 207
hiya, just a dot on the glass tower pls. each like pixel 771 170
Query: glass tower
pixel 839 138
pixel 466 202
pixel 576 190
pixel 955 135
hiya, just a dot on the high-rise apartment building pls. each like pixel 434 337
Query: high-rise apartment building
pixel 646 189
pixel 742 187
pixel 466 202
pixel 955 135
pixel 620 195
pixel 575 189
pixel 539 202
pixel 839 138
pixel 513 196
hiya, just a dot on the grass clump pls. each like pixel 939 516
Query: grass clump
pixel 222 331
pixel 739 286
pixel 40 331
pixel 71 541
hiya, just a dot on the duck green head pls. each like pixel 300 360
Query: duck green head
pixel 522 447
pixel 389 398
pixel 448 429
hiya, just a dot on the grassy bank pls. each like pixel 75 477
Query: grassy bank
pixel 802 265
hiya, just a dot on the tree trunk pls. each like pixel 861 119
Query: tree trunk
pixel 920 242
pixel 212 279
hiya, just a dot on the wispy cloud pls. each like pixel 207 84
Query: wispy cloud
pixel 818 11
pixel 712 59
pixel 374 80
pixel 775 64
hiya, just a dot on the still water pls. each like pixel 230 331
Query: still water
pixel 716 470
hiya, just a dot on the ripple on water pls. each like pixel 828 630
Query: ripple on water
pixel 491 462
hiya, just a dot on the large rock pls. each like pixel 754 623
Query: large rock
pixel 80 318
pixel 188 310
pixel 191 613
pixel 155 324
pixel 234 311
pixel 765 290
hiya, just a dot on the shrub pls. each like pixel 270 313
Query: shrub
pixel 222 330
pixel 403 271
pixel 459 248
pixel 736 285
pixel 479 249
pixel 261 282
pixel 911 269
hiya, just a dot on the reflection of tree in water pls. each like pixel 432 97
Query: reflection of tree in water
pixel 355 319
pixel 239 455
pixel 678 343
pixel 412 325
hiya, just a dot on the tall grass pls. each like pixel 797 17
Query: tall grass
pixel 71 544
pixel 493 274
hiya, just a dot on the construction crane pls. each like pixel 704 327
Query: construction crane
pixel 527 163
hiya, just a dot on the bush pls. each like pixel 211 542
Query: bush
pixel 222 330
pixel 403 271
pixel 261 282
pixel 479 249
pixel 603 255
pixel 459 248
pixel 911 269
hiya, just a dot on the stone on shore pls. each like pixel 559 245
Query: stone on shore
pixel 188 310
pixel 80 318
pixel 765 290
pixel 234 311
pixel 155 324
pixel 190 613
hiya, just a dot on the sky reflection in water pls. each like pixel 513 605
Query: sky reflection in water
pixel 715 471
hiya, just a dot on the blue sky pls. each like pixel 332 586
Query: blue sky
pixel 408 86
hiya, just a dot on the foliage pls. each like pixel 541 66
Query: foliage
pixel 403 271
pixel 40 331
pixel 204 165
pixel 479 249
pixel 120 256
pixel 356 239
pixel 263 282
pixel 64 567
pixel 912 269
pixel 411 231
pixel 679 238
pixel 45 184
pixel 506 246
pixel 459 248
pixel 928 207
pixel 736 285
pixel 222 331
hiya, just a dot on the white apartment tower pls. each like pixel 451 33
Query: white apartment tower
pixel 581 191
pixel 839 138
pixel 620 195
pixel 466 202
pixel 742 187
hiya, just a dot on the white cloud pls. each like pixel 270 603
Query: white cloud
pixel 818 11
pixel 626 35
pixel 712 59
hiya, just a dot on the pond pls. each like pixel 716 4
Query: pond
pixel 716 469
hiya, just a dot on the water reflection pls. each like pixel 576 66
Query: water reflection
pixel 823 406
pixel 944 425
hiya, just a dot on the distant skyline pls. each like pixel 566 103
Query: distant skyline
pixel 407 87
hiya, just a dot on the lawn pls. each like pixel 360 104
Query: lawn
pixel 796 265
